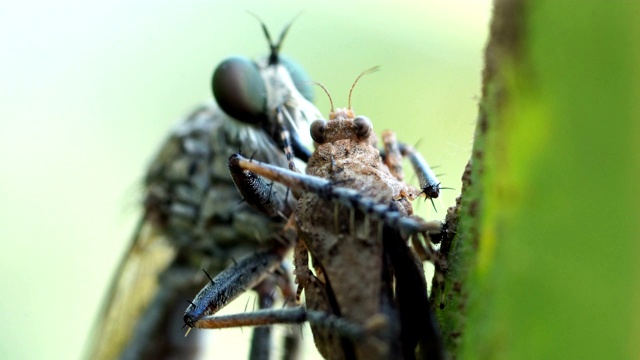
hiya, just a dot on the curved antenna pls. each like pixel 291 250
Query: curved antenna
pixel 326 92
pixel 284 33
pixel 274 48
pixel 369 71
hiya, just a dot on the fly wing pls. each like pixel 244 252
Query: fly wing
pixel 134 286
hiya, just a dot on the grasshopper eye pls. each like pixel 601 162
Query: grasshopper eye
pixel 300 78
pixel 240 90
pixel 317 131
pixel 363 127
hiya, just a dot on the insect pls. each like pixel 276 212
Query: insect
pixel 192 219
pixel 364 287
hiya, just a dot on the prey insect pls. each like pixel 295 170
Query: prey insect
pixel 364 287
pixel 192 217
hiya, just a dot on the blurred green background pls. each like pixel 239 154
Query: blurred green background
pixel 89 90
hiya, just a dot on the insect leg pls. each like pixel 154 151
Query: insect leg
pixel 260 194
pixel 428 181
pixel 297 145
pixel 292 341
pixel 297 315
pixel 347 197
pixel 232 282
pixel 392 155
pixel 285 138
pixel 261 339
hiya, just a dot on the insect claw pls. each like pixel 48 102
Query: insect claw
pixel 434 205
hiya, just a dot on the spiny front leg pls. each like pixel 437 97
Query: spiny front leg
pixel 327 190
pixel 262 195
pixel 232 282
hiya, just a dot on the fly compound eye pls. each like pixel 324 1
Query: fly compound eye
pixel 363 127
pixel 239 90
pixel 317 131
pixel 300 78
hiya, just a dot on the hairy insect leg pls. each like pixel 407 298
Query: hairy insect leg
pixel 297 148
pixel 428 181
pixel 325 189
pixel 230 283
pixel 286 138
pixel 261 272
pixel 327 326
pixel 261 194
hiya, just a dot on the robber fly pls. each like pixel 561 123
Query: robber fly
pixel 193 217
pixel 364 286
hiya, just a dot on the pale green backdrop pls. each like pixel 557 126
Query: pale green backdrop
pixel 89 90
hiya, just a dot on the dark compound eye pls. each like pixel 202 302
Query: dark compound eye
pixel 300 78
pixel 239 90
pixel 317 131
pixel 363 127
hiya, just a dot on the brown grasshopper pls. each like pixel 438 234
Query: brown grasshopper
pixel 192 219
pixel 365 291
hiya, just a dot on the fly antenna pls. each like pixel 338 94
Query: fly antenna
pixel 284 33
pixel 274 48
pixel 369 71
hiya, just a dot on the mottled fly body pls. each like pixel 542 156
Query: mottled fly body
pixel 193 217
